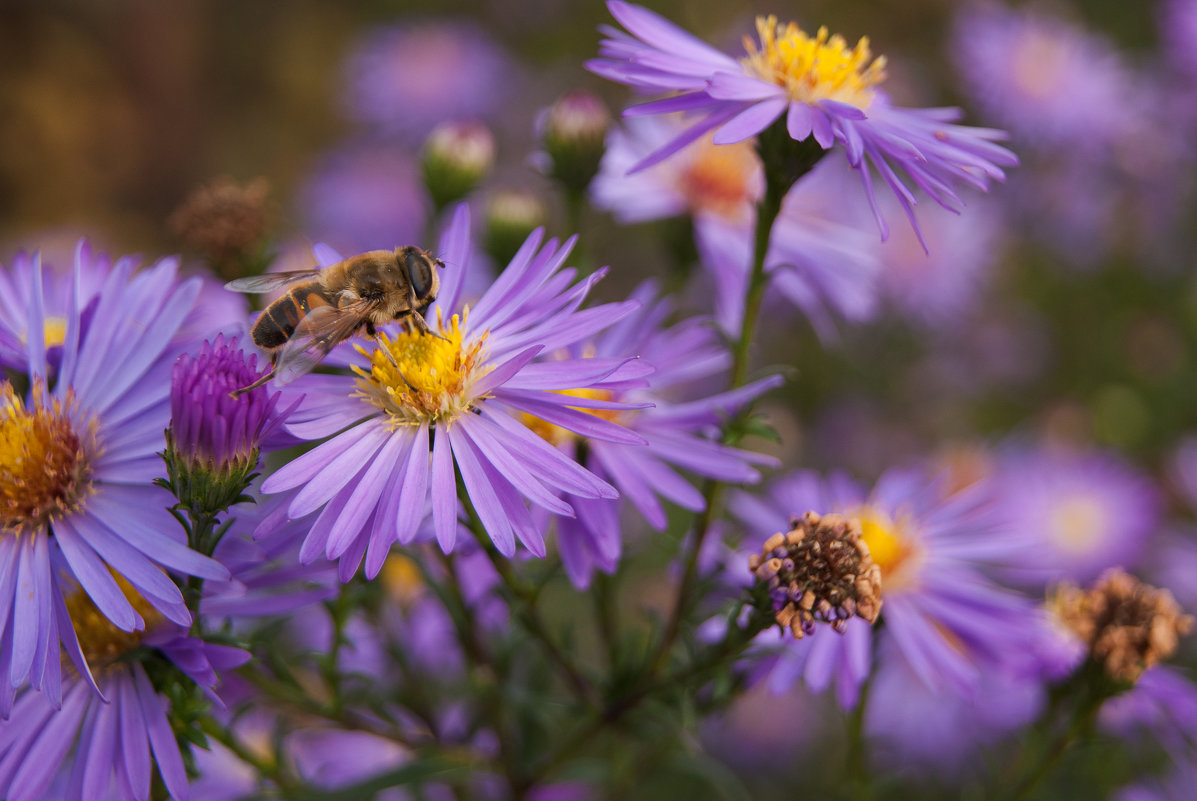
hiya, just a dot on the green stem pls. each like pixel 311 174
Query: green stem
pixel 767 211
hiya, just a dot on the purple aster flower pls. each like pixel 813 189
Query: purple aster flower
pixel 819 260
pixel 1162 704
pixel 681 430
pixel 120 733
pixel 939 287
pixel 407 79
pixel 66 291
pixel 1177 785
pixel 946 620
pixel 823 89
pixel 421 410
pixel 364 197
pixel 1051 83
pixel 208 425
pixel 703 180
pixel 1071 515
pixel 1178 29
pixel 76 466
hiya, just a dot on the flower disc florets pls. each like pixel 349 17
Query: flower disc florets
pixel 1127 625
pixel 820 570
pixel 417 378
pixel 44 460
pixel 814 69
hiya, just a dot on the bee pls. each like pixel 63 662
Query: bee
pixel 324 307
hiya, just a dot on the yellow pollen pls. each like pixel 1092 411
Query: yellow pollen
pixel 1076 523
pixel 554 433
pixel 810 70
pixel 100 641
pixel 890 545
pixel 418 378
pixel 720 178
pixel 44 469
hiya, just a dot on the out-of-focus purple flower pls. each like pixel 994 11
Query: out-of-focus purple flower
pixel 818 260
pixel 76 466
pixel 1051 83
pixel 822 88
pixel 1162 704
pixel 913 727
pixel 680 429
pixel 422 410
pixel 939 286
pixel 208 425
pixel 1071 515
pixel 405 79
pixel 1178 29
pixel 703 180
pixel 365 197
pixel 944 618
pixel 1177 785
pixel 121 733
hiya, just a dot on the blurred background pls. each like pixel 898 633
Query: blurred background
pixel 1059 315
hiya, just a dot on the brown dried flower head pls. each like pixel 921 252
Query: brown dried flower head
pixel 223 218
pixel 820 570
pixel 1127 625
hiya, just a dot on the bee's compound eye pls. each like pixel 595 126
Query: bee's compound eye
pixel 420 270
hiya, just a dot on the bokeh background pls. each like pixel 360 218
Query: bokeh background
pixel 1059 316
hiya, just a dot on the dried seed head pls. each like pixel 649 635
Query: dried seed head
pixel 1127 625
pixel 223 219
pixel 820 570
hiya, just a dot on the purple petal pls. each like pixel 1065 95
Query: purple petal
pixel 482 494
pixel 135 745
pixel 303 468
pixel 750 122
pixel 500 374
pixel 364 497
pixel 338 472
pixel 95 579
pixel 413 496
pixel 444 492
pixel 162 739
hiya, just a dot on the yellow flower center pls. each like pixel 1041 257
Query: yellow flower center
pixel 53 332
pixel 417 378
pixel 401 579
pixel 810 70
pixel 1075 523
pixel 100 641
pixel 891 546
pixel 44 469
pixel 720 178
pixel 555 434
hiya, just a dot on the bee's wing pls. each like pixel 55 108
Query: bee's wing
pixel 270 281
pixel 317 333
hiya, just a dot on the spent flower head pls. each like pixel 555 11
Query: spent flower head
pixel 1127 625
pixel 820 570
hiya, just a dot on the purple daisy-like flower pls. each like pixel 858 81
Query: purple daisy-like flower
pixel 363 197
pixel 407 79
pixel 76 465
pixel 1051 83
pixel 422 410
pixel 678 427
pixel 942 615
pixel 822 88
pixel 1071 515
pixel 75 289
pixel 120 734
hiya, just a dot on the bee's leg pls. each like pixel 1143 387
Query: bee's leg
pixel 398 370
pixel 417 320
pixel 370 330
pixel 236 393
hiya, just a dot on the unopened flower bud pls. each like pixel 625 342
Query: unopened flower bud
pixel 457 156
pixel 511 215
pixel 1127 625
pixel 821 571
pixel 214 438
pixel 575 129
